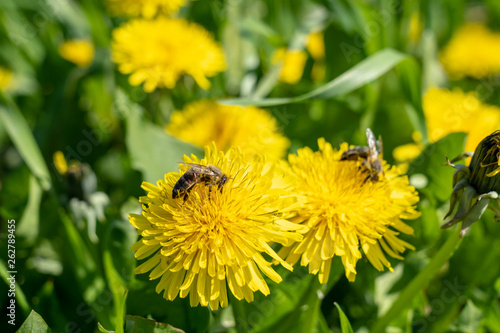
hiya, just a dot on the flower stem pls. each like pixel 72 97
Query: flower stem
pixel 419 282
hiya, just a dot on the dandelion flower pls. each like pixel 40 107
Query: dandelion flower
pixel 415 27
pixel 473 51
pixel 253 130
pixel 77 51
pixel 5 78
pixel 203 245
pixel 348 214
pixel 476 187
pixel 158 52
pixel 408 152
pixel 456 111
pixel 316 47
pixel 450 112
pixel 292 62
pixel 144 8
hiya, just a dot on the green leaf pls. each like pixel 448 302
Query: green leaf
pixel 292 306
pixel 34 324
pixel 469 319
pixel 410 76
pixel 103 329
pixel 365 72
pixel 29 223
pixel 138 324
pixel 345 325
pixel 20 134
pixel 144 301
pixel 152 151
pixel 117 250
pixel 430 164
pixel 21 301
pixel 419 282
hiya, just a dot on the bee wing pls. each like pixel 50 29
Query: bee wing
pixel 372 144
pixel 380 146
pixel 202 169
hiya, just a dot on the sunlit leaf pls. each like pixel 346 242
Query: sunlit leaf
pixel 365 72
pixel 152 151
pixel 430 163
pixel 22 137
pixel 345 325
pixel 34 324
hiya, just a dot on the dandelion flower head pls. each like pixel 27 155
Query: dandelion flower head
pixel 204 245
pixel 292 62
pixel 457 111
pixel 253 130
pixel 451 111
pixel 348 214
pixel 158 52
pixel 77 51
pixel 144 8
pixel 472 51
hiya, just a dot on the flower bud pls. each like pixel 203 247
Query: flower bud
pixel 476 186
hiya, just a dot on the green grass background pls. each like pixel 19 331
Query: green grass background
pixel 74 282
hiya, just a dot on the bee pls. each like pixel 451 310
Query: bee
pixel 371 156
pixel 209 174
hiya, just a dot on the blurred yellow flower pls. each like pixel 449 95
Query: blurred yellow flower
pixel 472 51
pixel 408 152
pixel 416 27
pixel 5 78
pixel 60 162
pixel 457 111
pixel 348 214
pixel 450 112
pixel 77 51
pixel 316 47
pixel 253 130
pixel 204 245
pixel 292 62
pixel 144 8
pixel 158 52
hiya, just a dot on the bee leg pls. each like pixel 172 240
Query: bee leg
pixel 209 190
pixel 186 194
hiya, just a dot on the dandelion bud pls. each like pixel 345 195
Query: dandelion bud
pixel 476 186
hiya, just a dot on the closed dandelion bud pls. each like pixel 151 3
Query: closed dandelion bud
pixel 476 186
pixel 485 166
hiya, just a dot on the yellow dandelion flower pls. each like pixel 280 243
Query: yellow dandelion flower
pixel 348 214
pixel 216 239
pixel 316 45
pixel 144 8
pixel 450 112
pixel 253 130
pixel 160 51
pixel 292 62
pixel 473 51
pixel 5 78
pixel 60 162
pixel 416 27
pixel 408 152
pixel 77 51
pixel 457 111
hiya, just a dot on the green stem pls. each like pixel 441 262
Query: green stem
pixel 22 302
pixel 419 282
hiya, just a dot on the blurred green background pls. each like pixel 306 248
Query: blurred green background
pixel 73 238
